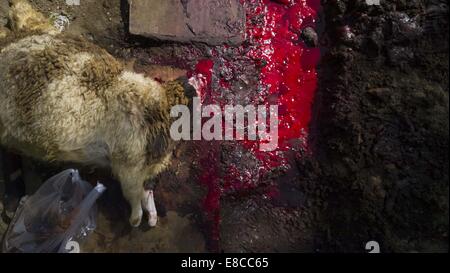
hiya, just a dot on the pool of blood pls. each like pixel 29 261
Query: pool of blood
pixel 286 77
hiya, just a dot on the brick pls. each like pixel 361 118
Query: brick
pixel 209 21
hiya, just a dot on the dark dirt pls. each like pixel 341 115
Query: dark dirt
pixel 379 139
pixel 382 127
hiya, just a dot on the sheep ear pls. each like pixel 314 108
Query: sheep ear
pixel 189 90
pixel 22 17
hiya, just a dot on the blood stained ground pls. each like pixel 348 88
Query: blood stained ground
pixel 285 75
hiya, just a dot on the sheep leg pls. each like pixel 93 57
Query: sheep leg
pixel 148 203
pixel 133 195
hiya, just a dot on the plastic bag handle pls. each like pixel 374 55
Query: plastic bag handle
pixel 85 206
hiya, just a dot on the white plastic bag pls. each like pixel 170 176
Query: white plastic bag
pixel 62 212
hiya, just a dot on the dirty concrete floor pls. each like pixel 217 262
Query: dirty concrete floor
pixel 380 140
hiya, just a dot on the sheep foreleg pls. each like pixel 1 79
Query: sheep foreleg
pixel 148 203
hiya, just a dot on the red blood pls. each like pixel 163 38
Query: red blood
pixel 290 76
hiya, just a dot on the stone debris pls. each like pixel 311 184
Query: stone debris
pixel 60 21
pixel 310 37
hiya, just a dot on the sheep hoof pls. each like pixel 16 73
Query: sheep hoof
pixel 135 220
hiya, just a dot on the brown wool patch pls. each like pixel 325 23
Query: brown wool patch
pixel 175 94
